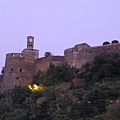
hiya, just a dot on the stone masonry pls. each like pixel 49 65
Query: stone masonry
pixel 21 67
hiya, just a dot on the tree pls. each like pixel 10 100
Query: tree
pixel 2 71
pixel 106 43
pixel 55 75
pixel 47 54
pixel 115 41
pixel 19 94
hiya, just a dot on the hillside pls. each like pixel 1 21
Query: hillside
pixel 65 93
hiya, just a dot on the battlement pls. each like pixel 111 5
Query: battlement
pixel 58 58
pixel 21 67
pixel 86 54
pixel 30 54
pixel 43 59
pixel 69 50
pixel 50 58
pixel 76 48
pixel 79 47
pixel 43 63
pixel 14 55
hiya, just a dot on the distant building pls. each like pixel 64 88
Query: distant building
pixel 21 67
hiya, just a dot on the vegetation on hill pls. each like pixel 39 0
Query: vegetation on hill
pixel 91 93
pixel 54 75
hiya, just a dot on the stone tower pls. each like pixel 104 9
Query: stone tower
pixel 30 42
pixel 30 53
pixel 19 67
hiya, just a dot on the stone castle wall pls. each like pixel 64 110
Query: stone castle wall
pixel 21 67
pixel 30 54
pixel 43 63
pixel 18 71
pixel 87 54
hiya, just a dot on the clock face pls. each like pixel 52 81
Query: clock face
pixel 30 40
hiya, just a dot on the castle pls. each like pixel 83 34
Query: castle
pixel 21 67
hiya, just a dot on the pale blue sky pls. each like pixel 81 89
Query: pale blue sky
pixel 57 24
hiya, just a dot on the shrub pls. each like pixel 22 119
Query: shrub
pixel 106 43
pixel 55 75
pixel 19 94
pixel 47 54
pixel 2 71
pixel 115 41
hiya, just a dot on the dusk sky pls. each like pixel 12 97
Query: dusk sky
pixel 57 24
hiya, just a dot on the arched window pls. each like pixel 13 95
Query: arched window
pixel 21 70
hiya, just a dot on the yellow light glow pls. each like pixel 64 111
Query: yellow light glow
pixel 35 87
pixel 30 87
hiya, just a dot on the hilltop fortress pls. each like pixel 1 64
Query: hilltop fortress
pixel 21 67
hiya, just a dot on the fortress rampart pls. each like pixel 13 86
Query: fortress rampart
pixel 78 57
pixel 20 68
pixel 30 54
pixel 43 63
pixel 17 71
pixel 14 55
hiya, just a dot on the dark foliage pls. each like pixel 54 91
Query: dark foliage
pixel 55 75
pixel 19 94
pixel 115 41
pixel 47 54
pixel 106 43
pixel 89 101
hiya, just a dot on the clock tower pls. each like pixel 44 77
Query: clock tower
pixel 30 42
pixel 30 53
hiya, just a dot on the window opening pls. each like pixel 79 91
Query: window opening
pixel 12 69
pixel 17 78
pixel 13 55
pixel 21 70
pixel 21 55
